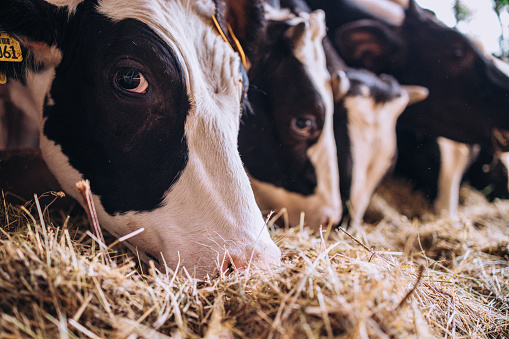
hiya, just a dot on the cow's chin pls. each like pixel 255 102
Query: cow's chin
pixel 203 224
pixel 317 208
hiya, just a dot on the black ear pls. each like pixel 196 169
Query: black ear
pixel 247 19
pixel 35 25
pixel 367 44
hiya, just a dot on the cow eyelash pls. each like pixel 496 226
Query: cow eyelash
pixel 131 79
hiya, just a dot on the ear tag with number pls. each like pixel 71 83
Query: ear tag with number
pixel 10 51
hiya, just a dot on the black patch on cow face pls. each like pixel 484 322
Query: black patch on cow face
pixel 282 98
pixel 153 257
pixel 130 145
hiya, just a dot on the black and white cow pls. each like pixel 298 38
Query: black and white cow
pixel 286 141
pixel 144 99
pixel 365 112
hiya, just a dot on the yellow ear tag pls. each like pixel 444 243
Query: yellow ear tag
pixel 10 50
pixel 235 40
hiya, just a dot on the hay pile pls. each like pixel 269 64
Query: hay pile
pixel 432 278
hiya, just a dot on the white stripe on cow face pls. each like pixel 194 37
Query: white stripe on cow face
pixel 211 208
pixel 324 204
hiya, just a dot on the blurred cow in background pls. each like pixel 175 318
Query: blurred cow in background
pixel 365 112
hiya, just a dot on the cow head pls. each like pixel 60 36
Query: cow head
pixel 365 114
pixel 143 98
pixel 468 95
pixel 287 141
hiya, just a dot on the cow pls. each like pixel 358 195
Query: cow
pixel 365 115
pixel 489 171
pixel 143 98
pixel 442 164
pixel 286 138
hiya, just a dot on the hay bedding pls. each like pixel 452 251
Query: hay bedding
pixel 427 277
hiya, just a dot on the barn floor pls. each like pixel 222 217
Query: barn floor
pixel 407 276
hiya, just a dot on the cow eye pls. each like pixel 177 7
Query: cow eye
pixel 304 126
pixel 130 79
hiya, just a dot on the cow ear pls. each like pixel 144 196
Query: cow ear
pixel 247 19
pixel 311 27
pixel 416 14
pixel 32 25
pixel 412 9
pixel 367 43
pixel 415 93
pixel 340 85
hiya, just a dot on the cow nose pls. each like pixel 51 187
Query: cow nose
pixel 263 256
pixel 328 215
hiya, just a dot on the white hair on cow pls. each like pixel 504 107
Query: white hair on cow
pixel 402 3
pixel 204 7
pixel 372 131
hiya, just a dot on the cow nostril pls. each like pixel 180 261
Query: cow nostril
pixel 266 258
pixel 330 216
